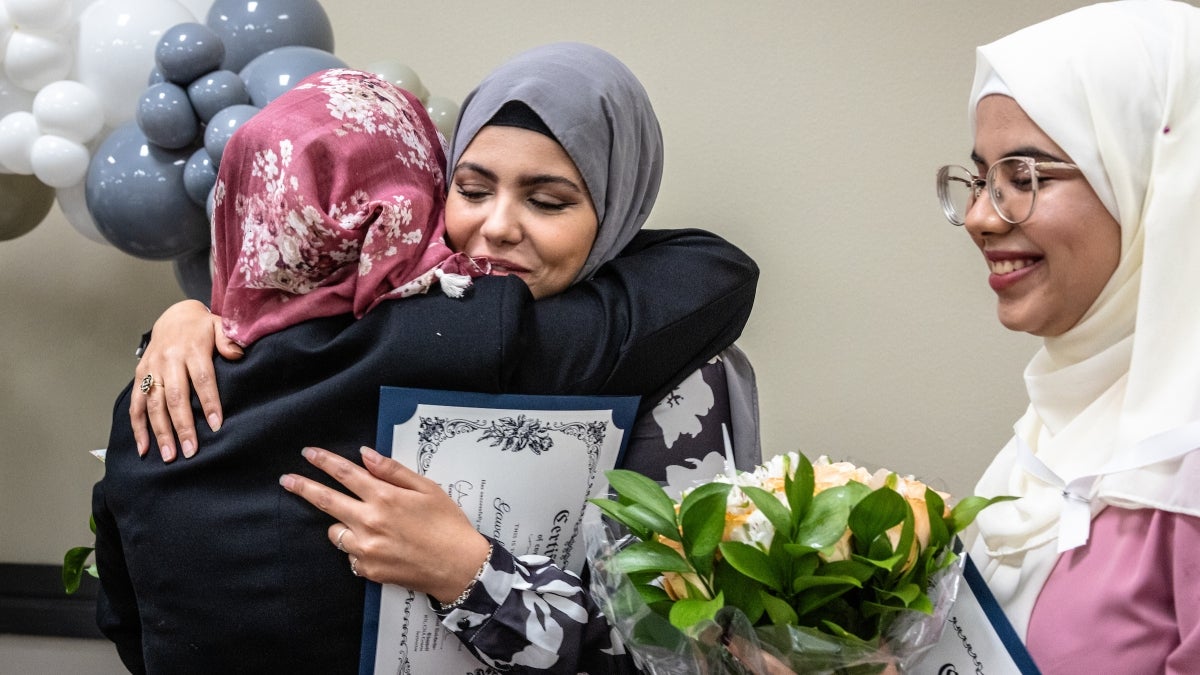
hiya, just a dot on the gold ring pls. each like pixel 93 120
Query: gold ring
pixel 339 539
pixel 148 382
pixel 353 565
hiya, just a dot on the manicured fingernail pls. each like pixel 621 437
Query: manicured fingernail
pixel 168 453
pixel 142 448
pixel 309 453
pixel 214 422
pixel 368 454
pixel 287 481
pixel 189 448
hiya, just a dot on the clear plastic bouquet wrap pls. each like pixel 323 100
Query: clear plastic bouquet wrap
pixel 798 566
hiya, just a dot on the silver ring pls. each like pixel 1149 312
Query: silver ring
pixel 148 382
pixel 339 538
pixel 354 566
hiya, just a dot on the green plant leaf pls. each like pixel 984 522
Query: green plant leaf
pixel 740 590
pixel 752 562
pixel 702 493
pixel 964 512
pixel 687 613
pixel 801 584
pixel 778 514
pixel 799 487
pixel 647 556
pixel 906 593
pixel 780 612
pixel 620 513
pixel 939 534
pixel 825 522
pixel 652 594
pixel 642 490
pixel 72 569
pixel 849 568
pixel 654 520
pixel 92 523
pixel 703 525
pixel 818 596
pixel 876 513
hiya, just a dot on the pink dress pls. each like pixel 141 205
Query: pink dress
pixel 1127 602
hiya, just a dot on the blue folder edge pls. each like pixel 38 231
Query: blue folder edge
pixel 398 404
pixel 1004 629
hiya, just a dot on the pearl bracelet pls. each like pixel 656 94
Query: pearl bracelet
pixel 471 586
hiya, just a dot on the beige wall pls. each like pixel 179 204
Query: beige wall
pixel 806 132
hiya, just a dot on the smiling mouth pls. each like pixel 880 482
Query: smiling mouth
pixel 1009 266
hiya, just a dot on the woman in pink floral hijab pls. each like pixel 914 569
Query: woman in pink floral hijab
pixel 328 202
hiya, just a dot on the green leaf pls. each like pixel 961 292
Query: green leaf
pixel 849 568
pixel 876 513
pixel 825 522
pixel 652 594
pixel 799 488
pixel 654 520
pixel 819 596
pixel 778 610
pixel 92 523
pixel 752 562
pixel 906 593
pixel 801 584
pixel 769 504
pixel 642 490
pixel 939 534
pixel 702 493
pixel 740 591
pixel 703 525
pixel 620 513
pixel 963 513
pixel 647 556
pixel 72 570
pixel 687 613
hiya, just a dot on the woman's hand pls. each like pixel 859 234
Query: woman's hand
pixel 405 530
pixel 180 355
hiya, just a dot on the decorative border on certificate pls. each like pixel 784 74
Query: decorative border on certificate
pixel 521 467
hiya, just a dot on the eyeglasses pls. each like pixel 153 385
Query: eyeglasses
pixel 1011 183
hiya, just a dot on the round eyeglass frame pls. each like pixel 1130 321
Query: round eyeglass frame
pixel 978 184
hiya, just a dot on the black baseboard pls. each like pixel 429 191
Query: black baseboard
pixel 33 602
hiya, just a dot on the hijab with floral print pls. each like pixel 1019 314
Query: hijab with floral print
pixel 329 201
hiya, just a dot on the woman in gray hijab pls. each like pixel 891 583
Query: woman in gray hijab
pixel 559 144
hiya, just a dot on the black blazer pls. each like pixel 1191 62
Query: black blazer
pixel 208 566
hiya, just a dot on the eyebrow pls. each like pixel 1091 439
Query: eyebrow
pixel 524 181
pixel 1023 151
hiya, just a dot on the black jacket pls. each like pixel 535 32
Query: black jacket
pixel 208 566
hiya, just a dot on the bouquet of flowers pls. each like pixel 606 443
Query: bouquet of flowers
pixel 798 566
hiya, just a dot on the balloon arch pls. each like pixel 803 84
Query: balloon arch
pixel 119 110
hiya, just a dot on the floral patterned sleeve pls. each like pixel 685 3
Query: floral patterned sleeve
pixel 527 615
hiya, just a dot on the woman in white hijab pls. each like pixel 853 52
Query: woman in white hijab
pixel 1087 143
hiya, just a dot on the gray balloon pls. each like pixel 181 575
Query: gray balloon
pixel 199 176
pixel 165 115
pixel 277 71
pixel 249 28
pixel 188 50
pixel 222 126
pixel 194 276
pixel 135 194
pixel 216 91
pixel 155 77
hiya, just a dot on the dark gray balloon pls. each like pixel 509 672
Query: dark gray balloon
pixel 194 275
pixel 252 27
pixel 188 50
pixel 165 115
pixel 199 176
pixel 155 77
pixel 135 194
pixel 222 126
pixel 278 70
pixel 216 91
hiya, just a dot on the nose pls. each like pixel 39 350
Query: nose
pixel 982 219
pixel 502 225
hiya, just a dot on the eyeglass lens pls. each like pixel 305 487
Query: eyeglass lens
pixel 1011 184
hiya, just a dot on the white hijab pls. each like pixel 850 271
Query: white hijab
pixel 1114 409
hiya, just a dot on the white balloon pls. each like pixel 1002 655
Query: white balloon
pixel 400 75
pixel 6 27
pixel 69 109
pixel 198 8
pixel 18 131
pixel 12 97
pixel 41 15
pixel 444 113
pixel 33 60
pixel 58 162
pixel 73 203
pixel 115 50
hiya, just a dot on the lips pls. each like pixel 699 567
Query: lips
pixel 505 267
pixel 1010 267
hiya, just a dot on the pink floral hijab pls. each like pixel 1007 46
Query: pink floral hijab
pixel 330 201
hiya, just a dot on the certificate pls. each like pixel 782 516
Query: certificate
pixel 521 467
pixel 978 637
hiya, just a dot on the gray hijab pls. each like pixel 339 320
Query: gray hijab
pixel 600 114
